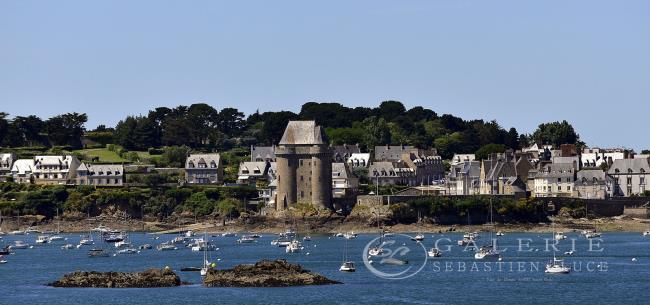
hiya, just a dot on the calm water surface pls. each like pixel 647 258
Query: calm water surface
pixel 618 281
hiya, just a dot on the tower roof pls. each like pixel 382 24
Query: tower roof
pixel 303 133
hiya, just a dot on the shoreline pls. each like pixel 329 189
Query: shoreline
pixel 616 224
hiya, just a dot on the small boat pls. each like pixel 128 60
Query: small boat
pixel 2 261
pixel 418 237
pixel 500 233
pixel 145 247
pixel 560 236
pixel 339 234
pixel 31 230
pixel 556 266
pixel 86 240
pixel 646 233
pixel 102 229
pixel 98 253
pixel 189 233
pixel 288 234
pixel 55 237
pixel 204 246
pixel 487 253
pixel 306 238
pixel 255 236
pixel 350 235
pixel 466 241
pixel 433 252
pixel 347 267
pixel 375 251
pixel 42 239
pixel 246 239
pixel 123 244
pixel 17 232
pixel 114 238
pixel 166 247
pixel 19 244
pixel 67 247
pixel 6 250
pixel 592 234
pixel 294 246
pixel 282 242
pixel 129 250
pixel 228 234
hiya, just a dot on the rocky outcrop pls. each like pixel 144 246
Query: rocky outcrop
pixel 146 279
pixel 265 273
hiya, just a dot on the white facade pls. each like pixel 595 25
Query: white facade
pixel 595 157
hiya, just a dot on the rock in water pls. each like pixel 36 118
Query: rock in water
pixel 146 279
pixel 265 273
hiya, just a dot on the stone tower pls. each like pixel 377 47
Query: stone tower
pixel 304 166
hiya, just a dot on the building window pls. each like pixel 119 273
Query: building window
pixel 559 180
pixel 629 180
pixel 302 194
pixel 301 178
pixel 300 162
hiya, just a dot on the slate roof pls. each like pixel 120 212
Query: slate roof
pixel 22 166
pixel 556 170
pixel 194 160
pixel 112 170
pixel 303 133
pixel 252 167
pixel 340 170
pixel 262 153
pixel 591 177
pixel 625 165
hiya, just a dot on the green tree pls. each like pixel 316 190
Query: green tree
pixel 377 132
pixel 556 133
pixel 66 129
pixel 483 152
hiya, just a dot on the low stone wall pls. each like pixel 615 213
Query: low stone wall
pixel 637 212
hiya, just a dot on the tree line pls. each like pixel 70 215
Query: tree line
pixel 203 127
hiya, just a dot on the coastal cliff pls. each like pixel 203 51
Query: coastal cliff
pixel 265 273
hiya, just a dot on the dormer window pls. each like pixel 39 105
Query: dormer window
pixel 213 164
pixel 629 171
pixel 191 164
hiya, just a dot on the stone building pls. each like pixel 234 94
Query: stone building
pixel 391 173
pixel 55 170
pixel 262 153
pixel 6 161
pixel 203 169
pixel 251 172
pixel 555 180
pixel 304 166
pixel 100 174
pixel 592 184
pixel 341 153
pixel 21 171
pixel 630 176
pixel 344 182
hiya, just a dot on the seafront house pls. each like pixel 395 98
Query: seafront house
pixel 391 173
pixel 55 170
pixel 21 171
pixel 203 169
pixel 344 182
pixel 6 162
pixel 497 171
pixel 251 172
pixel 630 176
pixel 359 160
pixel 592 184
pixel 555 180
pixel 341 153
pixel 110 175
pixel 262 153
pixel 304 166
pixel 465 178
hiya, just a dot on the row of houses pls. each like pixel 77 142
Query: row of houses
pixel 547 172
pixel 60 170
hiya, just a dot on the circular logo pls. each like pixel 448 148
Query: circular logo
pixel 389 259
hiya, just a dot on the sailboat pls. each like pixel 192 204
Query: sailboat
pixel 347 266
pixel 206 265
pixel 489 252
pixel 556 266
pixel 468 238
pixel 591 233
pixel 419 236
pixel 1 222
pixel 378 250
pixel 56 236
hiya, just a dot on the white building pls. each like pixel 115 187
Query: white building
pixel 55 170
pixel 100 174
pixel 595 157
pixel 630 176
pixel 359 160
pixel 22 170
pixel 555 180
pixel 459 158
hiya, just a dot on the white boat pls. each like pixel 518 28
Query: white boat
pixel 375 251
pixel 204 246
pixel 500 233
pixel 123 244
pixel 67 247
pixel 556 266
pixel 347 267
pixel 166 247
pixel 55 238
pixel 228 234
pixel 31 230
pixel 418 237
pixel 307 238
pixel 282 242
pixel 255 235
pixel 466 241
pixel 246 240
pixel 433 252
pixel 129 250
pixel 102 229
pixel 339 234
pixel 592 234
pixel 87 240
pixel 288 234
pixel 19 244
pixel 189 233
pixel 560 236
pixel 489 252
pixel 646 233
pixel 17 232
pixel 294 246
pixel 350 235
pixel 42 239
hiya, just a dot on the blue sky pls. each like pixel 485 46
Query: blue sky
pixel 519 62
